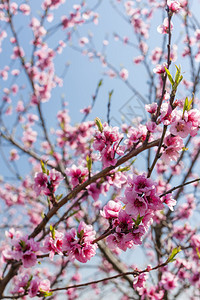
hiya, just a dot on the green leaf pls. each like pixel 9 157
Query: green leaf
pixel 80 234
pixel 181 77
pixel 139 220
pixel 52 230
pixel 126 168
pixel 46 294
pixel 89 163
pixel 198 254
pixel 169 76
pixel 62 125
pixel 58 197
pixel 178 75
pixel 22 245
pixel 100 82
pixel 73 213
pixel 29 282
pixel 187 104
pixel 43 167
pixel 175 251
pixel 99 124
pixel 110 94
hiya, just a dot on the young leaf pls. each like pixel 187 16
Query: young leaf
pixel 187 104
pixel 80 234
pixel 46 294
pixel 173 254
pixel 52 230
pixel 99 124
pixel 100 82
pixel 43 167
pixel 126 168
pixel 198 254
pixel 169 76
pixel 178 73
pixel 58 197
pixel 139 220
pixel 89 163
pixel 110 95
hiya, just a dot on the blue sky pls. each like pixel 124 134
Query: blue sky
pixel 82 75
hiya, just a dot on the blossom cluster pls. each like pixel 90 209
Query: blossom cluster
pixel 47 184
pixel 123 222
pixel 129 223
pixel 33 286
pixel 107 141
pixel 76 244
pixel 23 249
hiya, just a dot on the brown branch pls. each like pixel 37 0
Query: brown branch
pixel 179 186
pixel 14 268
pixel 82 186
pixel 134 273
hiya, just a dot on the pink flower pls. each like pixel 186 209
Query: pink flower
pixel 195 279
pixel 20 106
pixel 14 89
pixel 45 185
pixel 21 284
pixel 17 52
pixel 25 9
pixel 136 206
pixel 14 155
pixel 29 259
pixel 180 127
pixel 111 73
pixel 83 41
pixel 156 54
pixel 111 209
pixel 169 281
pixel 25 249
pixel 53 244
pixel 164 28
pixel 151 108
pixel 139 281
pixel 77 174
pixel 29 137
pixel 123 74
pixel 86 110
pixel 194 118
pixel 41 181
pixel 78 245
pixel 141 183
pixel 44 285
pixel 151 126
pixel 55 178
pixel 138 234
pixel 120 240
pixel 108 157
pixel 138 59
pixel 160 69
pixel 172 147
pixel 173 5
pixel 94 191
pixel 153 201
pixel 33 287
pixel 167 199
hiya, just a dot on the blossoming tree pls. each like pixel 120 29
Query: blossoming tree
pixel 81 196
